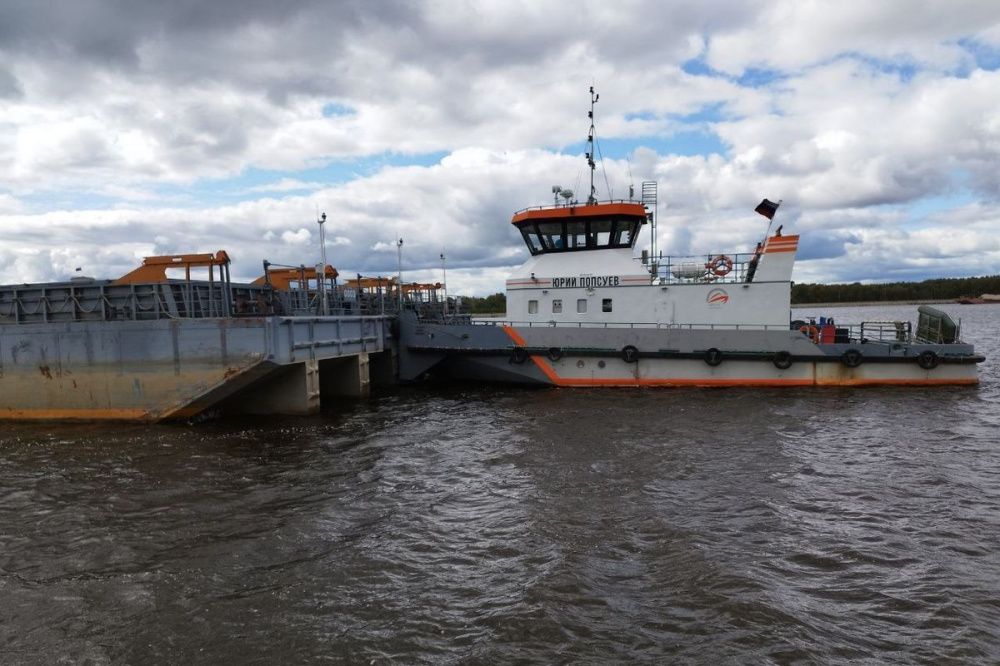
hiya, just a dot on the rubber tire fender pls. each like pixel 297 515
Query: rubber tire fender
pixel 928 360
pixel 852 358
pixel 713 357
pixel 518 355
pixel 554 353
pixel 630 354
pixel 782 360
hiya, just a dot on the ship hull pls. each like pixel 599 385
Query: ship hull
pixel 178 369
pixel 671 357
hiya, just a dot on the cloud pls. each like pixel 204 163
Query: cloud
pixel 9 204
pixel 285 185
pixel 299 237
pixel 131 128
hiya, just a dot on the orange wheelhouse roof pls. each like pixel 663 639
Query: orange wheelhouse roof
pixel 592 210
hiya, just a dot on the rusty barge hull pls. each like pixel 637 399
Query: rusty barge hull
pixel 166 369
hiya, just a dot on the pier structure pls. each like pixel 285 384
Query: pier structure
pixel 152 347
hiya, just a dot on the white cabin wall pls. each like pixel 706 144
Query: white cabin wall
pixel 756 304
pixel 763 302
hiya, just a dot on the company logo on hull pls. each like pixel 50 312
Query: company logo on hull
pixel 717 297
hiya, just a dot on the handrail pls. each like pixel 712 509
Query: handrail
pixel 577 205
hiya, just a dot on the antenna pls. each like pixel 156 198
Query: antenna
pixel 321 275
pixel 631 183
pixel 399 266
pixel 590 145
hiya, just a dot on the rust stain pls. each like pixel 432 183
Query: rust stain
pixel 46 372
pixel 230 372
pixel 74 383
pixel 75 414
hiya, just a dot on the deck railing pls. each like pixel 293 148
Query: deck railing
pixel 103 300
pixel 703 268
pixel 888 332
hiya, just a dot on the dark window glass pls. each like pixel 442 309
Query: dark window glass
pixel 576 235
pixel 600 233
pixel 532 241
pixel 552 235
pixel 606 305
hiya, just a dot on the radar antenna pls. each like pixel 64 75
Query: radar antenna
pixel 590 146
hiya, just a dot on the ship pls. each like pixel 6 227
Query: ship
pixel 585 311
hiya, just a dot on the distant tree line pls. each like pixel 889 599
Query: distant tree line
pixel 497 303
pixel 941 288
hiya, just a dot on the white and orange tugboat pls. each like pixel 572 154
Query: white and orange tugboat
pixel 583 311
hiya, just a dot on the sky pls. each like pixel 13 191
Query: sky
pixel 131 128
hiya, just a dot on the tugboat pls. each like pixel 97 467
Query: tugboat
pixel 583 311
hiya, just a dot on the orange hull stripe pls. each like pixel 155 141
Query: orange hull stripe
pixel 77 414
pixel 554 377
pixel 783 249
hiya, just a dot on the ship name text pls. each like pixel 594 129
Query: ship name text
pixel 587 281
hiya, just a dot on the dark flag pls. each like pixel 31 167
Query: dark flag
pixel 767 208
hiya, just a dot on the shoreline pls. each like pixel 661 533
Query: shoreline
pixel 802 306
pixel 851 304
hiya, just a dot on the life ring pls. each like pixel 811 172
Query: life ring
pixel 782 360
pixel 555 353
pixel 811 331
pixel 630 354
pixel 518 355
pixel 713 357
pixel 928 360
pixel 720 265
pixel 852 358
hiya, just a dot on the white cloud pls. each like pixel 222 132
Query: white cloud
pixel 872 109
pixel 9 204
pixel 299 237
pixel 286 185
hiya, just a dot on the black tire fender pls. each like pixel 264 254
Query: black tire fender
pixel 518 355
pixel 928 360
pixel 630 354
pixel 782 360
pixel 852 358
pixel 555 353
pixel 713 357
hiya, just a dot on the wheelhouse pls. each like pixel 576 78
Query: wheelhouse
pixel 575 228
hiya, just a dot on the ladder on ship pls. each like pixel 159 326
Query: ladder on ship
pixel 649 201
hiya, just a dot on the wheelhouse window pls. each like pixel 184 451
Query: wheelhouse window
pixel 552 235
pixel 581 305
pixel 556 306
pixel 588 233
pixel 623 236
pixel 606 305
pixel 532 307
pixel 600 233
pixel 532 240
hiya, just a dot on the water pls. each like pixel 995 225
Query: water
pixel 485 525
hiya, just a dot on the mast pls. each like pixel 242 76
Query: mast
pixel 590 145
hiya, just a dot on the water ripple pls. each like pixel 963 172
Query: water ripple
pixel 477 525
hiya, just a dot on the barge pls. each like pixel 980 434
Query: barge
pixel 151 347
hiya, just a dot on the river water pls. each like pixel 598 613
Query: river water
pixel 487 525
